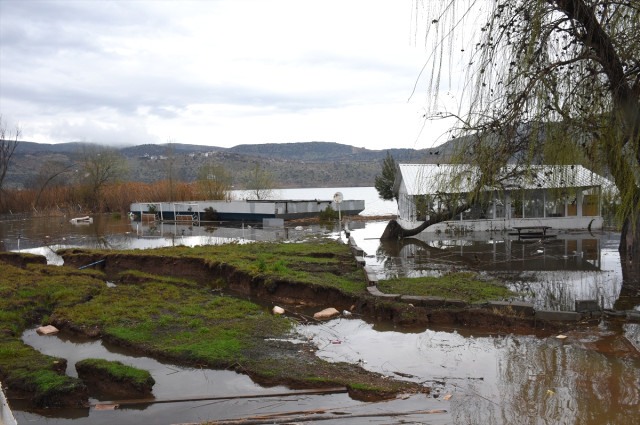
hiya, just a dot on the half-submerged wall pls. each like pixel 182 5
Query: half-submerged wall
pixel 242 210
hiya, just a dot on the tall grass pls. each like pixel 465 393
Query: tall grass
pixel 114 197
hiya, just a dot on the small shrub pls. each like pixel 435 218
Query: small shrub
pixel 328 214
pixel 210 214
pixel 261 265
pixel 279 267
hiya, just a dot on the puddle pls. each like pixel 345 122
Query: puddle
pixel 179 382
pixel 171 381
pixel 592 377
pixel 552 274
pixel 498 379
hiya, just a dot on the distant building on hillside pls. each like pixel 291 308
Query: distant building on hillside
pixel 561 197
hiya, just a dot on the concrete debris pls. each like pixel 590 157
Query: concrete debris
pixel 106 406
pixel 327 313
pixel 47 330
pixel 277 310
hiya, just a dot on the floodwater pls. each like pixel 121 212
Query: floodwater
pixel 590 377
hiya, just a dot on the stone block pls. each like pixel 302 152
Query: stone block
pixel 516 306
pixel 633 315
pixel 558 316
pixel 454 302
pixel 420 301
pixel 584 306
pixel 357 251
pixel 373 290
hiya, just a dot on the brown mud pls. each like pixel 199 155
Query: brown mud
pixel 21 259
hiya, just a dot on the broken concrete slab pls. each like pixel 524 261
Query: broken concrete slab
pixel 370 275
pixel 454 302
pixel 424 301
pixel 558 316
pixel 47 330
pixel 516 306
pixel 373 290
pixel 327 313
pixel 584 306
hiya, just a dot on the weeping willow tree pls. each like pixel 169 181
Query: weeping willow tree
pixel 545 81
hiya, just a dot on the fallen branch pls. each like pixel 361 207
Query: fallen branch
pixel 335 390
pixel 263 419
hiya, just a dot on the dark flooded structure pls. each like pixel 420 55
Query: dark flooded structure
pixel 248 210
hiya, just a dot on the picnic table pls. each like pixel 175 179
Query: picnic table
pixel 529 232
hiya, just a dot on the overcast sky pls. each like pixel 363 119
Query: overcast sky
pixel 218 73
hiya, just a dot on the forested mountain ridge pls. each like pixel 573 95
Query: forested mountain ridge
pixel 305 164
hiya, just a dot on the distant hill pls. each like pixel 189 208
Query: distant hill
pixel 323 152
pixel 305 164
pixel 163 149
pixel 39 148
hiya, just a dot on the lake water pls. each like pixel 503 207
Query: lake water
pixel 591 377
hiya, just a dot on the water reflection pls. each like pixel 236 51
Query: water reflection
pixel 177 382
pixel 45 235
pixel 495 252
pixel 551 273
pixel 172 381
pixel 501 379
pixel 591 377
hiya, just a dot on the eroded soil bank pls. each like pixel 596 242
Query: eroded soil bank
pixel 331 279
pixel 299 295
pixel 180 320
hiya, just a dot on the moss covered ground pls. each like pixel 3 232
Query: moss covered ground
pixel 192 322
pixel 177 319
pixel 316 262
pixel 467 286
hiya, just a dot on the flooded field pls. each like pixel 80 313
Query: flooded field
pixel 477 376
pixel 552 274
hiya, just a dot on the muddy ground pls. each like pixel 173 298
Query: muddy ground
pixel 292 361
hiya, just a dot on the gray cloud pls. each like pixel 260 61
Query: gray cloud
pixel 84 69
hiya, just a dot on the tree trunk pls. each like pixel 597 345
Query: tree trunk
pixel 395 231
pixel 630 261
pixel 630 239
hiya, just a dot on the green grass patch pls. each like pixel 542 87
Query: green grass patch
pixel 118 371
pixel 148 277
pixel 166 316
pixel 317 262
pixel 466 286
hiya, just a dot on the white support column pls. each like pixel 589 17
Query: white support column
pixel 579 201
